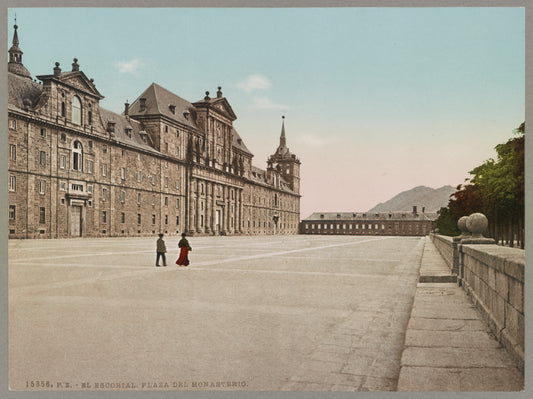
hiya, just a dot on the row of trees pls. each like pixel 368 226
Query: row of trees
pixel 496 189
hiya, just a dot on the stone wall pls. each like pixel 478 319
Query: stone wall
pixel 493 277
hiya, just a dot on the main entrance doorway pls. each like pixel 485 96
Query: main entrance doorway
pixel 75 221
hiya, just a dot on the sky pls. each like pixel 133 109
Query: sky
pixel 376 100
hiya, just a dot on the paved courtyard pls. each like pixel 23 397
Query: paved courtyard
pixel 250 313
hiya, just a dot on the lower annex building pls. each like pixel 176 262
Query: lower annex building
pixel 163 165
pixel 367 223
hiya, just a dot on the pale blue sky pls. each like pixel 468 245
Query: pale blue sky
pixel 377 100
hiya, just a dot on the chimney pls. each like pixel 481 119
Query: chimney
pixel 142 104
pixel 57 70
pixel 414 209
pixel 126 108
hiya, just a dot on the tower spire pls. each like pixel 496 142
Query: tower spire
pixel 282 139
pixel 15 57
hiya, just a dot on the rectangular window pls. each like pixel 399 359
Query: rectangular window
pixel 12 124
pixel 63 186
pixel 153 200
pixel 90 144
pixel 63 137
pixel 104 169
pixel 105 149
pixel 42 215
pixel 104 216
pixel 123 173
pixel 12 183
pixel 13 152
pixel 90 166
pixel 177 220
pixel 104 194
pixel 43 132
pixel 153 219
pixel 63 162
pixel 178 203
pixel 139 176
pixel 42 158
pixel 166 219
pixel 42 187
pixel 90 188
pixel 166 181
pixel 122 217
pixel 90 117
pixel 166 201
pixel 12 212
pixel 122 196
pixel 139 198
pixel 138 218
pixel 123 153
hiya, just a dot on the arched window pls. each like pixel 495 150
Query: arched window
pixel 77 156
pixel 76 110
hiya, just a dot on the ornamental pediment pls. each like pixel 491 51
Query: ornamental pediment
pixel 79 81
pixel 223 107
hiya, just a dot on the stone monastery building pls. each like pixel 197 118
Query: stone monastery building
pixel 163 165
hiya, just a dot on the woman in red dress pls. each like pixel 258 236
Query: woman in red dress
pixel 183 260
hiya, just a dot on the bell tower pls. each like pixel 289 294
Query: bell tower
pixel 286 162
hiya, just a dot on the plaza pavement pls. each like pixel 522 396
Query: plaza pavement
pixel 299 313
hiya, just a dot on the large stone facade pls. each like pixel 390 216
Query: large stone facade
pixel 163 165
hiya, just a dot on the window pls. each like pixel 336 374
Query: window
pixel 166 219
pixel 122 196
pixel 123 153
pixel 123 173
pixel 90 166
pixel 104 194
pixel 90 188
pixel 13 152
pixel 166 181
pixel 166 201
pixel 128 132
pixel 63 137
pixel 122 217
pixel 12 212
pixel 153 180
pixel 42 158
pixel 63 186
pixel 43 132
pixel 76 110
pixel 138 218
pixel 139 176
pixel 139 198
pixel 12 123
pixel 153 200
pixel 90 117
pixel 178 203
pixel 104 148
pixel 104 169
pixel 63 113
pixel 177 220
pixel 42 187
pixel 42 215
pixel 77 156
pixel 104 216
pixel 63 162
pixel 153 219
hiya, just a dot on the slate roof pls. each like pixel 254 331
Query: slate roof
pixel 382 216
pixel 258 176
pixel 20 89
pixel 121 124
pixel 239 143
pixel 158 100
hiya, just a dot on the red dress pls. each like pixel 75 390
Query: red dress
pixel 183 259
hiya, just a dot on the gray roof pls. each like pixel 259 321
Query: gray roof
pixel 158 102
pixel 238 143
pixel 381 216
pixel 22 89
pixel 258 176
pixel 121 124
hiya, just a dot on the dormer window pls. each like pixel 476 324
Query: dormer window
pixel 76 110
pixel 172 108
pixel 128 132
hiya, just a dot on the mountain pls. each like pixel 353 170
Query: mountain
pixel 432 199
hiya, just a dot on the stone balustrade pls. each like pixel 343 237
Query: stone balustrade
pixel 493 277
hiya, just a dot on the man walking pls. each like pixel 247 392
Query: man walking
pixel 161 250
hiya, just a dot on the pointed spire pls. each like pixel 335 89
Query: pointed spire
pixel 282 139
pixel 15 57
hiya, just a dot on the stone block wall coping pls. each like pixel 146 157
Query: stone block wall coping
pixel 509 261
